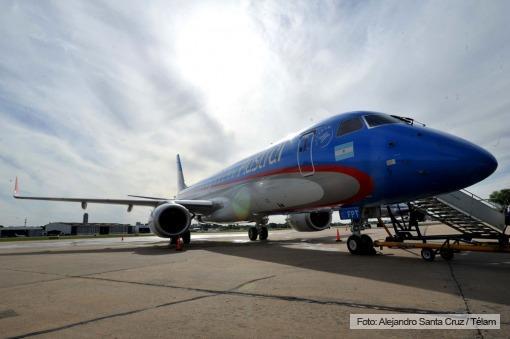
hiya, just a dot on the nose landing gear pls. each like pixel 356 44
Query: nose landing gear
pixel 360 244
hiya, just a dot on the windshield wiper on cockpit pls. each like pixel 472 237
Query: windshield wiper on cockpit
pixel 407 120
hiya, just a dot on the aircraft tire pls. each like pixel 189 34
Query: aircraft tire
pixel 253 233
pixel 446 253
pixel 186 237
pixel 263 233
pixel 367 245
pixel 354 244
pixel 428 254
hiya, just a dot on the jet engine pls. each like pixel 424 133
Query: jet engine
pixel 309 222
pixel 168 220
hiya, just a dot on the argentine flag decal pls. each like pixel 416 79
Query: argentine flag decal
pixel 344 151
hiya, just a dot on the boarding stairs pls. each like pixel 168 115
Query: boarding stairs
pixel 464 212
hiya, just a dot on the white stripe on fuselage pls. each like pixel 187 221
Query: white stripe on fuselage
pixel 279 192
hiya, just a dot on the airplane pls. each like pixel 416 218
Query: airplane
pixel 360 159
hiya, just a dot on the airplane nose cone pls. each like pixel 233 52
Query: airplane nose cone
pixel 480 163
pixel 468 163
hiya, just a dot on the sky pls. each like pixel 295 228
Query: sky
pixel 97 97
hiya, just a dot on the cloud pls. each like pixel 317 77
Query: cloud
pixel 96 98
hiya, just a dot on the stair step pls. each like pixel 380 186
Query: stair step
pixel 453 217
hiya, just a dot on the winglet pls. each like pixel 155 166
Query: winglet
pixel 16 188
pixel 180 176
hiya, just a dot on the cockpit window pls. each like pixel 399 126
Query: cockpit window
pixel 381 119
pixel 349 126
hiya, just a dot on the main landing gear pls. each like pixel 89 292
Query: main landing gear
pixel 260 232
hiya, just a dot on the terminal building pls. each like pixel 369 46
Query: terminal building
pixel 22 231
pixel 74 228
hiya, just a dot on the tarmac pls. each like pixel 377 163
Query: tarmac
pixel 297 285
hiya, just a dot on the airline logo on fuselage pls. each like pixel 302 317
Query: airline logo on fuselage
pixel 263 159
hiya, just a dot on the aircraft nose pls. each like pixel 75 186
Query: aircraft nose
pixel 479 162
pixel 471 163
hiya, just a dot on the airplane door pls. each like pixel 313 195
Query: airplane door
pixel 304 155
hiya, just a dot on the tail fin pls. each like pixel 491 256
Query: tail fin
pixel 16 188
pixel 180 176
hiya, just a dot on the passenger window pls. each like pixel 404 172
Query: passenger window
pixel 349 126
pixel 381 119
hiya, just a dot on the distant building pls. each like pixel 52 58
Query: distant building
pixel 75 228
pixel 22 231
pixel 142 228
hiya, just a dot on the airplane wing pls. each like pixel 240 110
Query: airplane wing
pixel 194 206
pixel 145 197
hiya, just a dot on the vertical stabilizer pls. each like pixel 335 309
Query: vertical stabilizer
pixel 180 176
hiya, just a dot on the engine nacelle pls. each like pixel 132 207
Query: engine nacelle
pixel 170 220
pixel 309 222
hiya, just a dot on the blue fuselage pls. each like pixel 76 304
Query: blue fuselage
pixel 357 158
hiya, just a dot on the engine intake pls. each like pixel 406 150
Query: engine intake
pixel 309 222
pixel 170 220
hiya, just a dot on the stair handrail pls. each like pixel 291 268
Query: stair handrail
pixel 485 201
